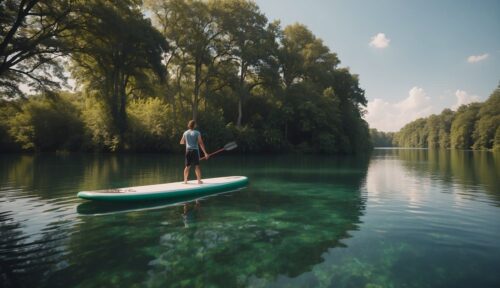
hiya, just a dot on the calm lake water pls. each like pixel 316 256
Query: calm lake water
pixel 398 218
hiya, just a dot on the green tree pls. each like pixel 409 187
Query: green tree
pixel 118 50
pixel 488 122
pixel 48 123
pixel 8 110
pixel 308 70
pixel 381 139
pixel 304 56
pixel 473 126
pixel 462 126
pixel 298 51
pixel 251 46
pixel 244 78
pixel 191 29
pixel 433 125
pixel 413 134
pixel 496 143
pixel 446 118
pixel 32 44
pixel 151 125
pixel 352 104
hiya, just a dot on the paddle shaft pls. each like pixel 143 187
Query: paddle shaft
pixel 218 151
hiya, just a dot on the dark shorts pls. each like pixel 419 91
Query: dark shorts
pixel 192 157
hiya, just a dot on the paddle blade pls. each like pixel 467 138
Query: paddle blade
pixel 230 146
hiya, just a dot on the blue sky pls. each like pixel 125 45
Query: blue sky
pixel 424 55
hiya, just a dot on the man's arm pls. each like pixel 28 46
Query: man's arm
pixel 202 145
pixel 183 141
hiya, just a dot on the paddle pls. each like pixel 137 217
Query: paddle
pixel 227 147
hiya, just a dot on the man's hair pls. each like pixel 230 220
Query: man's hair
pixel 191 124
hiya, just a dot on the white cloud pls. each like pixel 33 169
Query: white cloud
pixel 463 99
pixel 386 116
pixel 380 41
pixel 477 58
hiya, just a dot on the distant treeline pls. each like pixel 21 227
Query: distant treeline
pixel 144 68
pixel 381 139
pixel 473 126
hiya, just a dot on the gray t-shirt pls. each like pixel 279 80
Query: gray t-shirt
pixel 191 137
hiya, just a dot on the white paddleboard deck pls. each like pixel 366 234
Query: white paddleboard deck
pixel 166 190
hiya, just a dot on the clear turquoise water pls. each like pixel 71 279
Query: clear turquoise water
pixel 398 218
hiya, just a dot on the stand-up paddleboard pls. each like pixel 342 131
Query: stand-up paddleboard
pixel 167 190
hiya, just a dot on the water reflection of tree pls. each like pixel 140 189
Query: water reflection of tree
pixel 50 175
pixel 25 262
pixel 282 227
pixel 40 175
pixel 466 168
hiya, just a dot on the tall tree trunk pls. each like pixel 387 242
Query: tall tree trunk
pixel 123 106
pixel 181 95
pixel 242 94
pixel 197 72
pixel 286 131
pixel 114 105
pixel 169 96
pixel 240 112
pixel 285 103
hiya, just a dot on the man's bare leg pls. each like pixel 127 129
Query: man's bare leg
pixel 197 170
pixel 186 174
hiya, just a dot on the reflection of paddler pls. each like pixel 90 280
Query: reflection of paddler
pixel 191 212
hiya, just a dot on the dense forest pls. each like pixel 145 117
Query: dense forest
pixel 381 139
pixel 144 68
pixel 473 126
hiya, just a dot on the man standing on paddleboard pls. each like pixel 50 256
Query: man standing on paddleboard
pixel 192 139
